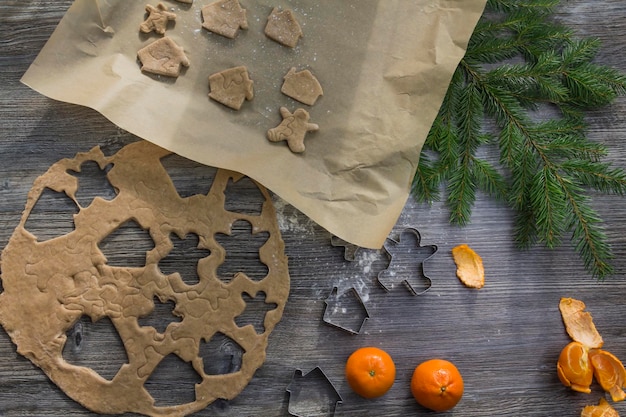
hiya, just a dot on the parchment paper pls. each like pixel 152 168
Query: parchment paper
pixel 384 67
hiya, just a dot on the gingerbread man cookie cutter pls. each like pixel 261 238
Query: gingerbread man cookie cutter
pixel 406 262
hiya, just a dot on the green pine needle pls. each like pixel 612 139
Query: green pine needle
pixel 546 168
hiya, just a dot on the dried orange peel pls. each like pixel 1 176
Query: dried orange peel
pixel 582 360
pixel 469 266
pixel 603 409
pixel 579 323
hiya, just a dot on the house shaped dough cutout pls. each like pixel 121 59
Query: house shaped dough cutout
pixel 283 28
pixel 231 87
pixel 302 86
pixel 163 57
pixel 224 17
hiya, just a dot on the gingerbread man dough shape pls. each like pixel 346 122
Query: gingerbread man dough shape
pixel 157 19
pixel 292 129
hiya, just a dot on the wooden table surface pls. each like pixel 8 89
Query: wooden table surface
pixel 504 338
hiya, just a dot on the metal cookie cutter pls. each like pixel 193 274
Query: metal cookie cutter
pixel 312 394
pixel 406 262
pixel 350 248
pixel 346 311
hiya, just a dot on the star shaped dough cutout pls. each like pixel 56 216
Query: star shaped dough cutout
pixel 292 129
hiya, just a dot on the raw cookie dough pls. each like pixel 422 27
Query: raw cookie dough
pixel 231 87
pixel 224 17
pixel 157 19
pixel 302 86
pixel 292 129
pixel 283 27
pixel 50 285
pixel 163 57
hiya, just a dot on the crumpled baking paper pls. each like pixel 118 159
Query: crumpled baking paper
pixel 384 66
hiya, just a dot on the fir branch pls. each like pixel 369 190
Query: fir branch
pixel 513 6
pixel 597 175
pixel 550 165
pixel 549 202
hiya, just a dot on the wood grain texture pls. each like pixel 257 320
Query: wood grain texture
pixel 505 338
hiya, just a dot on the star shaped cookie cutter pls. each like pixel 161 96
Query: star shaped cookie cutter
pixel 404 253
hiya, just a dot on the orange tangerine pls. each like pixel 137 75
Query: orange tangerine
pixel 609 372
pixel 370 372
pixel 574 369
pixel 437 385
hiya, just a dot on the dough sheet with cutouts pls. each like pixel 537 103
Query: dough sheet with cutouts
pixel 53 282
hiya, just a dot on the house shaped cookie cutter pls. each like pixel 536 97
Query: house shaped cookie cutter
pixel 310 390
pixel 345 317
